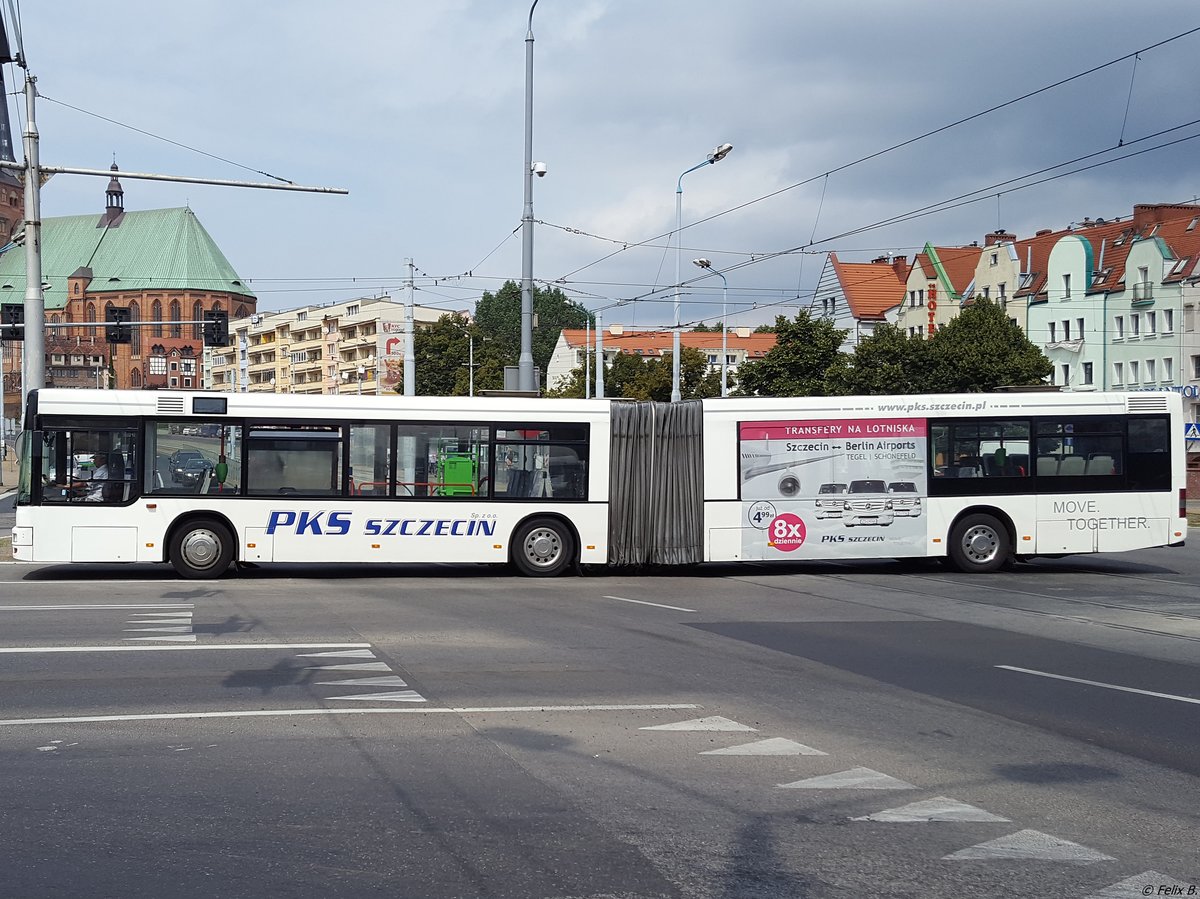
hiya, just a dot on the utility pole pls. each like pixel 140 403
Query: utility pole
pixel 410 357
pixel 599 356
pixel 587 359
pixel 525 379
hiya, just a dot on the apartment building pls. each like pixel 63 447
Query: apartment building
pixel 860 296
pixel 937 283
pixel 355 346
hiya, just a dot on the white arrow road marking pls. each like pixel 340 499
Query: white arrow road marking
pixel 364 682
pixel 341 654
pixel 939 808
pixel 399 696
pixel 1030 844
pixel 773 746
pixel 356 666
pixel 713 722
pixel 657 605
pixel 854 779
pixel 1137 886
pixel 159 630
pixel 182 638
pixel 183 621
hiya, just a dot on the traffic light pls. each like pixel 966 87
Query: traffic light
pixel 216 328
pixel 12 321
pixel 117 330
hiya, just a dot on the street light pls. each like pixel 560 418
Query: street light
pixel 707 264
pixel 713 158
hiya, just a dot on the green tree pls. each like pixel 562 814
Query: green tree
pixel 801 363
pixel 982 349
pixel 765 329
pixel 649 378
pixel 887 361
pixel 498 315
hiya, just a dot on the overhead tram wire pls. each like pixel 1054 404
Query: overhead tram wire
pixel 905 143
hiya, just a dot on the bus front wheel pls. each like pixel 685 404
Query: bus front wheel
pixel 201 548
pixel 543 547
pixel 979 543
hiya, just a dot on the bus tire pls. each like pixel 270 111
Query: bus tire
pixel 543 547
pixel 979 543
pixel 201 549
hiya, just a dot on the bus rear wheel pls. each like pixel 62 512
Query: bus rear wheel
pixel 979 543
pixel 543 547
pixel 201 548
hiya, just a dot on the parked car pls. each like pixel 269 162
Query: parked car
pixel 178 462
pixel 905 501
pixel 829 502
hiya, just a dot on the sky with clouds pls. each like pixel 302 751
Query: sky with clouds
pixel 418 109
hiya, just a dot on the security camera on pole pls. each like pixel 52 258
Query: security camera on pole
pixel 714 157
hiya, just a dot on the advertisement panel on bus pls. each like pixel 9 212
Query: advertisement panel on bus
pixel 857 485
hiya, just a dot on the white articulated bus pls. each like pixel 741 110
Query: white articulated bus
pixel 204 481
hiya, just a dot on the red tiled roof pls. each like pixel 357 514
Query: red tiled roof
pixel 871 288
pixel 959 264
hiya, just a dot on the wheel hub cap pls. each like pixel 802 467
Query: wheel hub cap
pixel 542 547
pixel 200 549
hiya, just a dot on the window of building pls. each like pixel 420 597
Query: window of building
pixel 1079 328
pixel 1133 373
pixel 156 317
pixel 174 366
pixel 987 293
pixel 187 382
pixel 1000 291
pixel 188 366
pixel 1168 369
pixel 1168 321
pixel 301 316
pixel 1066 286
pixel 158 365
pixel 1119 327
pixel 1066 374
pixel 1087 373
pixel 921 297
pixel 1119 373
pixel 174 382
pixel 197 316
pixel 1066 332
pixel 1150 375
pixel 353 309
pixel 175 314
pixel 1135 325
pixel 1151 323
pixel 1053 332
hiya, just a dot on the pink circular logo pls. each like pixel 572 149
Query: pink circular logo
pixel 787 532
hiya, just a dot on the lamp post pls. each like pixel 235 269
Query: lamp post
pixel 714 157
pixel 707 264
pixel 471 363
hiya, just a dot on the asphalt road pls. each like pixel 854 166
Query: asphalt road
pixel 738 731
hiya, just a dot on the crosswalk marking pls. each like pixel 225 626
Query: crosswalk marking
pixel 398 696
pixel 391 681
pixel 339 654
pixel 356 666
pixel 1030 844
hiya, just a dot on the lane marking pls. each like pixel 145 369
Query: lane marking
pixel 285 713
pixel 940 808
pixel 171 629
pixel 30 650
pixel 185 638
pixel 103 607
pixel 1096 683
pixel 352 654
pixel 642 602
pixel 713 722
pixel 854 779
pixel 1030 844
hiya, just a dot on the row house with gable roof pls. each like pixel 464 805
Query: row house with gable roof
pixel 1120 304
pixel 937 283
pixel 860 296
